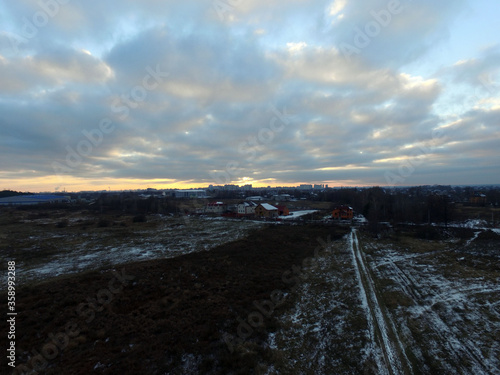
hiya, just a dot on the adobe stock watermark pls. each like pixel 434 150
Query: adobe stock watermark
pixel 225 7
pixel 416 159
pixel 364 36
pixel 31 26
pixel 56 343
pixel 250 146
pixel 120 108
pixel 265 308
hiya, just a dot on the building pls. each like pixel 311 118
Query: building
pixel 266 210
pixel 246 209
pixel 23 200
pixel 342 213
pixel 189 194
pixel 215 208
pixel 478 199
pixel 283 210
pixel 282 197
pixel 305 187
pixel 255 198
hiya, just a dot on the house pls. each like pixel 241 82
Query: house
pixel 282 197
pixel 478 199
pixel 255 198
pixel 342 212
pixel 246 209
pixel 266 210
pixel 283 210
pixel 215 208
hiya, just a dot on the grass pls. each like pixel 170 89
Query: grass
pixel 173 307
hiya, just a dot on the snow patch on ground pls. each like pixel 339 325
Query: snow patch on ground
pixel 456 314
pixel 297 214
pixel 174 238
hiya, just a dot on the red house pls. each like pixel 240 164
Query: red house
pixel 342 212
pixel 283 210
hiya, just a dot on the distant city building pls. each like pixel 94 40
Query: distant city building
pixel 305 187
pixel 189 194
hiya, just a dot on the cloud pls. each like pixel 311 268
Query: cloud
pixel 395 32
pixel 224 85
pixel 52 69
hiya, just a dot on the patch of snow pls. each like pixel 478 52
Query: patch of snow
pixel 296 214
pixel 473 238
pixel 170 240
pixel 477 223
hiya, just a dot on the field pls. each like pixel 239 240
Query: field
pixel 53 243
pixel 397 306
pixel 178 295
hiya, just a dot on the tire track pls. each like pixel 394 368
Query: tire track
pixel 444 293
pixel 393 355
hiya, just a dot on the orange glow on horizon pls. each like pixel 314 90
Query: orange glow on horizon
pixel 56 184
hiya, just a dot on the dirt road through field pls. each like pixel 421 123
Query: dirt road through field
pixel 387 347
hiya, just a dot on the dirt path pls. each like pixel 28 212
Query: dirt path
pixel 387 347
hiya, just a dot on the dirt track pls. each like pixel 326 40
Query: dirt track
pixel 398 305
pixel 384 336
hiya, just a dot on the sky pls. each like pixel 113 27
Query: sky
pixel 178 94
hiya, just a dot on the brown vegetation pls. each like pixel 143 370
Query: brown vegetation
pixel 173 309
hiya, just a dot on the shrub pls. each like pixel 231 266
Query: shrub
pixel 62 224
pixel 103 223
pixel 139 219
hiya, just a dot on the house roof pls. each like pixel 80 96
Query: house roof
pixel 268 207
pixel 216 204
pixel 248 204
pixel 343 208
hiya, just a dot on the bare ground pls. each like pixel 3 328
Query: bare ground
pixel 284 300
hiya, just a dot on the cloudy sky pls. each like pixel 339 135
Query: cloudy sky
pixel 170 93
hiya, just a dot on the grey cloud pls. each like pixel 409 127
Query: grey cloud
pixel 393 39
pixel 224 75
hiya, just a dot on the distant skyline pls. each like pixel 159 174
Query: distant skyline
pixel 163 94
